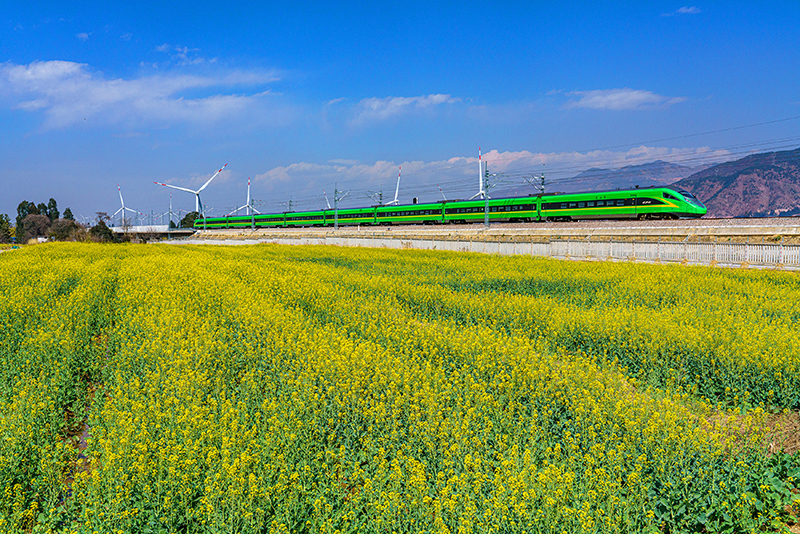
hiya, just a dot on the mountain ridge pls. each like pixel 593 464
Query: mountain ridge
pixel 758 185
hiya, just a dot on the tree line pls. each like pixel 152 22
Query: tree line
pixel 45 220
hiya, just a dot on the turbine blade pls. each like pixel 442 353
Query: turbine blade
pixel 209 180
pixel 176 187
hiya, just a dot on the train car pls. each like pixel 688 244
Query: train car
pixel 409 214
pixel 515 209
pixel 304 218
pixel 645 203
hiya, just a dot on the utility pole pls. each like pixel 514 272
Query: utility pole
pixel 487 185
pixel 486 200
pixel 376 197
pixel 540 179
pixel 336 199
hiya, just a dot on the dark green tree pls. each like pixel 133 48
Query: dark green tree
pixel 41 208
pixel 24 209
pixel 189 219
pixel 68 215
pixel 5 228
pixel 52 209
pixel 101 232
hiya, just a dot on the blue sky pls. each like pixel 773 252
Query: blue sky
pixel 304 95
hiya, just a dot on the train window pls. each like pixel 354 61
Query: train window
pixel 620 202
pixel 581 204
pixel 601 202
pixel 590 204
pixel 563 205
pixel 572 204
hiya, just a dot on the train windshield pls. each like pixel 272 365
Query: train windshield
pixel 691 198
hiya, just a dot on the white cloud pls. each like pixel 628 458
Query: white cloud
pixel 82 36
pixel 620 99
pixel 685 10
pixel 67 93
pixel 377 109
pixel 183 55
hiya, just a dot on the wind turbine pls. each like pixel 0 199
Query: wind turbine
pixel 168 214
pixel 198 205
pixel 123 209
pixel 249 204
pixel 397 190
pixel 326 200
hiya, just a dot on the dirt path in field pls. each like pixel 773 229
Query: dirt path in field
pixel 784 430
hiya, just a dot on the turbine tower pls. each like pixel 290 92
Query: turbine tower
pixel 482 170
pixel 123 209
pixel 198 204
pixel 249 204
pixel 397 189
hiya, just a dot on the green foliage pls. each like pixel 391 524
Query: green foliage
pixel 24 209
pixel 189 219
pixel 102 233
pixel 68 214
pixel 52 209
pixel 5 228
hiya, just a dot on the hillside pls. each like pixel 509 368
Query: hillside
pixel 760 185
pixel 656 173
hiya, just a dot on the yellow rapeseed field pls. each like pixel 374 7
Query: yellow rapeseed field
pixel 313 389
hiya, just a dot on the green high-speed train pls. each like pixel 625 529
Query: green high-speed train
pixel 645 203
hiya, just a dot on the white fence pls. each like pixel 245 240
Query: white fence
pixel 738 254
